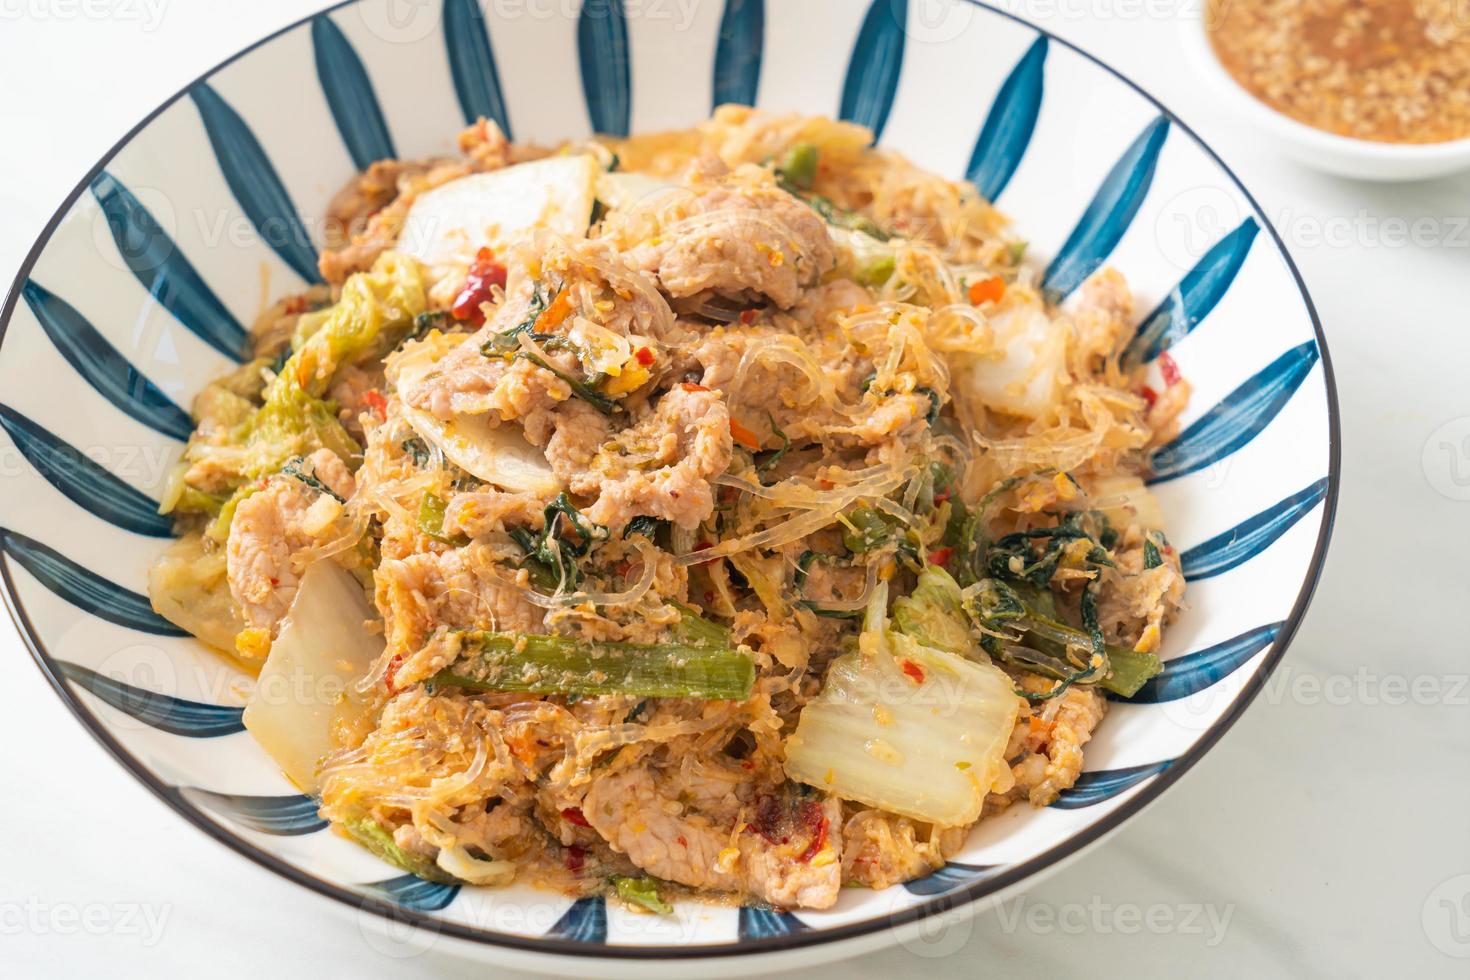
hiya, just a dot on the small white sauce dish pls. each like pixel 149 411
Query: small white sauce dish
pixel 1344 156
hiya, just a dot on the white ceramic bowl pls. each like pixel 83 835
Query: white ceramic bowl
pixel 135 294
pixel 1316 148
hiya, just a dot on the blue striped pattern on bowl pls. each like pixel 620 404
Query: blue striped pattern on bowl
pixel 137 292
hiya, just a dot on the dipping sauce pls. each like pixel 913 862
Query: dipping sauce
pixel 1395 71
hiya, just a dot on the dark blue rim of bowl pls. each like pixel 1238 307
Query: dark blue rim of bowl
pixel 934 906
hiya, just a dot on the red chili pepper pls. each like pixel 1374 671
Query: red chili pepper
pixel 683 842
pixel 576 858
pixel 644 356
pixel 691 386
pixel 768 820
pixel 747 317
pixel 484 273
pixel 1169 368
pixel 940 556
pixel 913 670
pixel 1149 395
pixel 377 403
pixel 574 815
pixel 390 676
pixel 816 822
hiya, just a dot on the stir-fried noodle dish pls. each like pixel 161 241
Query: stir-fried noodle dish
pixel 724 512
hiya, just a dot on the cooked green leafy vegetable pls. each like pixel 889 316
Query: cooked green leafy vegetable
pixel 644 525
pixel 565 536
pixel 376 310
pixel 431 516
pixel 694 630
pixel 905 727
pixel 1052 648
pixel 770 460
pixel 296 469
pixel 1153 543
pixel 541 664
pixel 799 165
pixel 642 892
pixel 933 614
pixel 865 529
pixel 372 835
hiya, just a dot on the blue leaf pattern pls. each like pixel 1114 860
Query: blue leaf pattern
pixel 176 716
pixel 867 96
pixel 1237 419
pixel 1196 671
pixel 1092 788
pixel 584 922
pixel 1193 298
pixel 156 262
pixel 876 63
pixel 413 892
pixel 472 64
pixel 602 52
pixel 1249 538
pixel 86 484
pixel 738 51
pixel 103 367
pixel 763 923
pixel 1107 218
pixel 1008 127
pixel 350 95
pixel 281 816
pixel 951 877
pixel 84 588
pixel 254 182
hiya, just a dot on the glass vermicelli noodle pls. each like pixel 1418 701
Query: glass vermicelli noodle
pixel 722 512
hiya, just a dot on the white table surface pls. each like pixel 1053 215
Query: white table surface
pixel 1327 834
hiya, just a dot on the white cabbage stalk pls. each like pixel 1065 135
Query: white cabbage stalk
pixel 497 454
pixel 477 871
pixel 1124 500
pixel 306 684
pixel 906 728
pixel 1024 373
pixel 188 587
pixel 621 190
pixel 448 225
